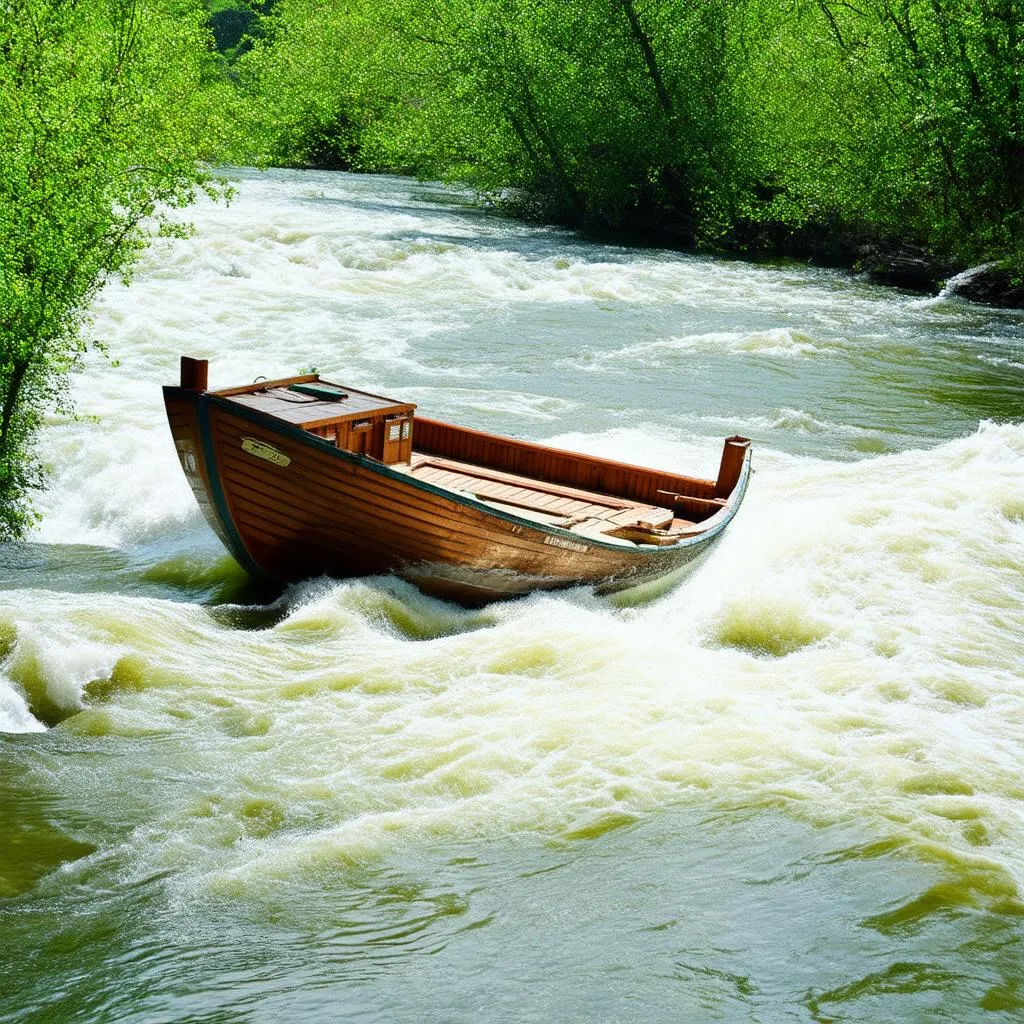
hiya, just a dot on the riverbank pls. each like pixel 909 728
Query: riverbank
pixel 884 143
pixel 890 261
pixel 894 262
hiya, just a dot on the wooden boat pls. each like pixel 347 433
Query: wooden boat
pixel 300 477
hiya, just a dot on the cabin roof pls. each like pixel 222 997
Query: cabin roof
pixel 293 402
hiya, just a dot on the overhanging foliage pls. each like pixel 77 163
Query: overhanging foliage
pixel 98 141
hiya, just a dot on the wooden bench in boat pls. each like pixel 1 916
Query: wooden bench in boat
pixel 586 512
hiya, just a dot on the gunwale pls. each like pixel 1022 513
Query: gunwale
pixel 494 517
pixel 405 480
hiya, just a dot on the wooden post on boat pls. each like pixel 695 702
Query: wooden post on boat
pixel 734 452
pixel 194 373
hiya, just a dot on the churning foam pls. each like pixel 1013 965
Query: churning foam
pixel 853 648
pixel 779 342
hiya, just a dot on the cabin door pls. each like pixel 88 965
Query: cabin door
pixel 397 439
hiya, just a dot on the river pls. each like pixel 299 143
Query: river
pixel 790 788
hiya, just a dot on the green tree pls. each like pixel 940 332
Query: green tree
pixel 300 98
pixel 599 112
pixel 99 139
pixel 898 118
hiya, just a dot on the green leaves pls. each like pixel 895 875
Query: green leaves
pixel 99 139
pixel 603 111
pixel 902 117
pixel 710 119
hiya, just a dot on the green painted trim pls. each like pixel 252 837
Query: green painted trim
pixel 304 437
pixel 236 545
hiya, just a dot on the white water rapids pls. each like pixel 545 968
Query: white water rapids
pixel 851 655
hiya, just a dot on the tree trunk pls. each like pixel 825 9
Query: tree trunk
pixel 641 39
pixel 14 383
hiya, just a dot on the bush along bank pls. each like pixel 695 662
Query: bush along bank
pixel 885 136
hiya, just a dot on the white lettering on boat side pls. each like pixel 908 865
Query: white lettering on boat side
pixel 262 450
pixel 569 545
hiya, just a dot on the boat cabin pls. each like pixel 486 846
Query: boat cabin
pixel 355 420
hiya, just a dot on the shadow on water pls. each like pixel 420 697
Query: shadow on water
pixel 233 599
pixel 249 617
pixel 237 601
pixel 386 603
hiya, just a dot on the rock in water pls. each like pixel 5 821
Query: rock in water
pixel 990 283
pixel 904 266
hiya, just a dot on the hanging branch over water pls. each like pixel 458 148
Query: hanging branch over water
pixel 90 96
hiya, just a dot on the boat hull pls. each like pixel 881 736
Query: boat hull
pixel 292 506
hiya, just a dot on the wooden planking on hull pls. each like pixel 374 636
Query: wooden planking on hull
pixel 402 532
pixel 361 497
pixel 289 503
pixel 397 536
pixel 182 416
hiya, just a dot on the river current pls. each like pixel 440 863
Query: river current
pixel 789 788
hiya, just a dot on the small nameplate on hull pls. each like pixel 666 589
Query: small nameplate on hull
pixel 262 450
pixel 187 457
pixel 569 545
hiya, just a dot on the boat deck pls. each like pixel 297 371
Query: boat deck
pixel 582 512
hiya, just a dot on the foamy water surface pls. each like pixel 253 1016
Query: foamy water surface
pixel 790 787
